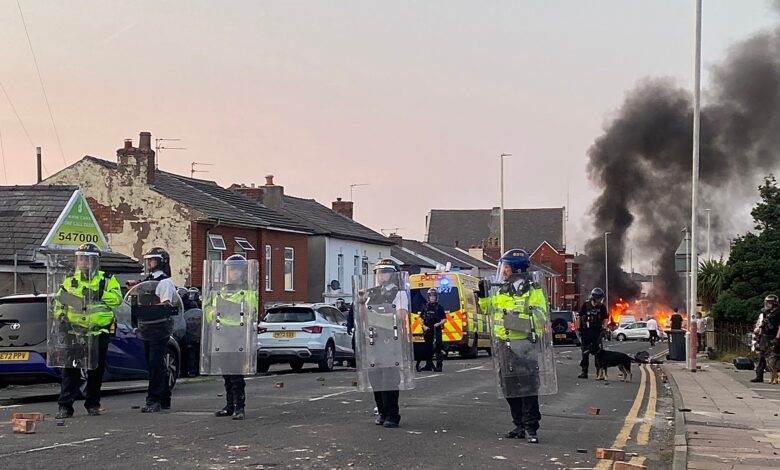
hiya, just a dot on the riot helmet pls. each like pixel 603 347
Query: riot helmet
pixel 384 271
pixel 88 260
pixel 236 267
pixel 770 302
pixel 157 259
pixel 339 303
pixel 512 264
pixel 432 295
pixel 597 295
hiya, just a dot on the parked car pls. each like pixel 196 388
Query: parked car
pixel 637 330
pixel 23 345
pixel 304 333
pixel 564 328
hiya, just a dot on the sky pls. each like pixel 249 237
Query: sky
pixel 417 99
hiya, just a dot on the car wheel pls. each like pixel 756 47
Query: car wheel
pixel 352 363
pixel 326 364
pixel 296 365
pixel 621 337
pixel 172 366
pixel 263 365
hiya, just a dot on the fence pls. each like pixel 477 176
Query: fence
pixel 734 336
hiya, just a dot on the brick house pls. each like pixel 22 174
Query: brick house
pixel 139 206
pixel 562 289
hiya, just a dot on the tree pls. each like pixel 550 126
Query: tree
pixel 753 268
pixel 712 277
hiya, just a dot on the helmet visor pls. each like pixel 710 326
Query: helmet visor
pixel 87 262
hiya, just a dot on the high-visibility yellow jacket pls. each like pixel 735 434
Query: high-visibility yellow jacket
pixel 249 297
pixel 96 314
pixel 531 302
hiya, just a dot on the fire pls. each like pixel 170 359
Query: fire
pixel 642 310
pixel 618 309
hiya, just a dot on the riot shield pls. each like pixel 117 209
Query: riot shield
pixel 230 314
pixel 383 339
pixel 152 318
pixel 71 340
pixel 521 337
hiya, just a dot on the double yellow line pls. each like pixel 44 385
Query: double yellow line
pixel 643 436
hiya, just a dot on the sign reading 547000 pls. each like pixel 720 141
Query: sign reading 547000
pixel 75 225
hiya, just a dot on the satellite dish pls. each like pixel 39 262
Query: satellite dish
pixel 335 285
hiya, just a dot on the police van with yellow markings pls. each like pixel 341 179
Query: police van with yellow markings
pixel 466 329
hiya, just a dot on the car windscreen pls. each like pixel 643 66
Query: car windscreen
pixel 449 299
pixel 289 315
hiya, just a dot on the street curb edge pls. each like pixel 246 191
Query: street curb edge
pixel 680 457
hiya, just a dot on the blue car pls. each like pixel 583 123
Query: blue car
pixel 23 344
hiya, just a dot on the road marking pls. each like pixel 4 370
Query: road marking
pixel 637 460
pixel 9 406
pixel 471 368
pixel 644 430
pixel 55 446
pixel 630 421
pixel 331 395
pixel 428 376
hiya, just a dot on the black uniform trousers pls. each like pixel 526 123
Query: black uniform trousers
pixel 71 380
pixel 761 366
pixel 589 339
pixel 387 404
pixel 159 390
pixel 235 395
pixel 525 413
pixel 433 346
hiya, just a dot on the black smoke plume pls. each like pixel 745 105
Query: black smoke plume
pixel 643 166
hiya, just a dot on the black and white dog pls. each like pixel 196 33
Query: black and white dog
pixel 606 359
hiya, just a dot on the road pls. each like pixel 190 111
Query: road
pixel 316 420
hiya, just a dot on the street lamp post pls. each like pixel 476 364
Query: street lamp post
pixel 501 215
pixel 606 271
pixel 695 185
pixel 709 250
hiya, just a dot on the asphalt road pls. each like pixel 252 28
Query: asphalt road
pixel 316 420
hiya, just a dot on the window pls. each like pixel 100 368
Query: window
pixel 340 275
pixel 215 247
pixel 244 244
pixel 331 315
pixel 356 266
pixel 268 268
pixel 569 272
pixel 289 262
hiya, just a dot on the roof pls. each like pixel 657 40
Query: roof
pixel 406 258
pixel 524 228
pixel 422 249
pixel 324 221
pixel 456 253
pixel 215 202
pixel 27 214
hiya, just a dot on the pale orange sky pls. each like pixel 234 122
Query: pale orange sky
pixel 416 98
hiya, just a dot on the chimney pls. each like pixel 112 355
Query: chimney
pixel 252 191
pixel 344 208
pixel 137 165
pixel 396 239
pixel 272 194
pixel 38 163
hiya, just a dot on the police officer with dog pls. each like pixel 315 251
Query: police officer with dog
pixel 768 334
pixel 591 325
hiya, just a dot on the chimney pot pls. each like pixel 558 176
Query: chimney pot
pixel 128 143
pixel 145 143
pixel 269 180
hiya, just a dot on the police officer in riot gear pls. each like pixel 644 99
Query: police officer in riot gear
pixel 156 332
pixel 591 325
pixel 100 293
pixel 768 334
pixel 522 345
pixel 433 317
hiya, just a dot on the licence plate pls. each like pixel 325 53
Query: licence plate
pixel 14 356
pixel 284 334
pixel 560 336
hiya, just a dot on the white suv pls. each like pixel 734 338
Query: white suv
pixel 303 333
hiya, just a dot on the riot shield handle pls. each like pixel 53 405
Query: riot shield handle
pixel 371 335
pixel 395 327
pixel 532 336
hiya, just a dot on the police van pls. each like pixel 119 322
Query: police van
pixel 466 329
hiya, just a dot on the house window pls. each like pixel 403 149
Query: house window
pixel 289 261
pixel 569 273
pixel 268 268
pixel 215 247
pixel 244 244
pixel 340 276
pixel 356 266
pixel 365 266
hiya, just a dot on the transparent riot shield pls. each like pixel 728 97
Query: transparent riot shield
pixel 230 314
pixel 71 340
pixel 149 315
pixel 383 339
pixel 521 337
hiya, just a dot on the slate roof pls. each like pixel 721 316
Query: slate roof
pixel 28 213
pixel 426 251
pixel 215 202
pixel 524 228
pixel 408 259
pixel 324 221
pixel 456 253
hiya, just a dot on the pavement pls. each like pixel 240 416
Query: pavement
pixel 725 422
pixel 319 420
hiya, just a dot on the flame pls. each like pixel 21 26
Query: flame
pixel 618 309
pixel 643 310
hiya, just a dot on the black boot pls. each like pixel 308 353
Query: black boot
pixel 93 411
pixel 228 410
pixel 380 420
pixel 165 404
pixel 758 379
pixel 64 412
pixel 438 367
pixel 516 433
pixel 151 408
pixel 532 439
pixel 583 375
pixel 239 414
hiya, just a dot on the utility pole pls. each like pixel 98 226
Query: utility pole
pixel 694 270
pixel 709 250
pixel 501 215
pixel 606 270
